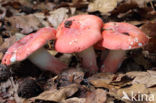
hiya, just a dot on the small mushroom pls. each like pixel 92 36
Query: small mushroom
pixel 30 46
pixel 119 37
pixel 78 34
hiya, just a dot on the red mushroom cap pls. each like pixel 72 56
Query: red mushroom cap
pixel 21 49
pixel 122 36
pixel 78 33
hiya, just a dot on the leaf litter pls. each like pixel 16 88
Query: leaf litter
pixel 137 72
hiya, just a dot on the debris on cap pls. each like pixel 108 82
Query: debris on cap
pixel 78 33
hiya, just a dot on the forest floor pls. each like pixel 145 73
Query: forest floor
pixel 23 82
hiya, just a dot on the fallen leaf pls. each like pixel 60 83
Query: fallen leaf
pixel 130 10
pixel 135 89
pixel 147 78
pixel 101 80
pixel 1 55
pixel 149 28
pixel 1 40
pixel 3 12
pixel 42 18
pixel 97 96
pixel 104 6
pixel 141 60
pixel 9 41
pixel 140 3
pixel 152 91
pixel 72 75
pixel 123 8
pixel 74 100
pixel 149 50
pixel 57 16
pixel 24 24
pixel 8 90
pixel 49 5
pixel 6 44
pixel 57 95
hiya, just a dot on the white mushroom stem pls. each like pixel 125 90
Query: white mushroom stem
pixel 113 61
pixel 89 60
pixel 44 60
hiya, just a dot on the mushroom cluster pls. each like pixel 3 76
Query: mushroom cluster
pixel 78 34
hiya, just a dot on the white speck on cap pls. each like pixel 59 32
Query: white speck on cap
pixel 73 41
pixel 130 47
pixel 136 40
pixel 13 58
pixel 70 43
pixel 131 43
pixel 139 44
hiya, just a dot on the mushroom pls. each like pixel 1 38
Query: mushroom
pixel 119 37
pixel 78 34
pixel 30 46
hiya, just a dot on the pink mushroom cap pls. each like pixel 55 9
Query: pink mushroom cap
pixel 122 36
pixel 78 33
pixel 21 49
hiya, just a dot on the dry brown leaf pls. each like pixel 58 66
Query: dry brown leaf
pixel 97 96
pixel 132 83
pixel 149 50
pixel 135 73
pixel 49 6
pixel 152 91
pixel 1 55
pixel 135 89
pixel 149 28
pixel 57 16
pixel 74 100
pixel 143 83
pixel 9 41
pixel 3 12
pixel 140 60
pixel 140 3
pixel 147 78
pixel 101 80
pixel 9 90
pixel 25 24
pixel 25 2
pixel 70 76
pixel 123 8
pixel 6 44
pixel 57 95
pixel 104 6
pixel 1 40
pixel 42 19
pixel 134 10
pixel 136 22
pixel 73 75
